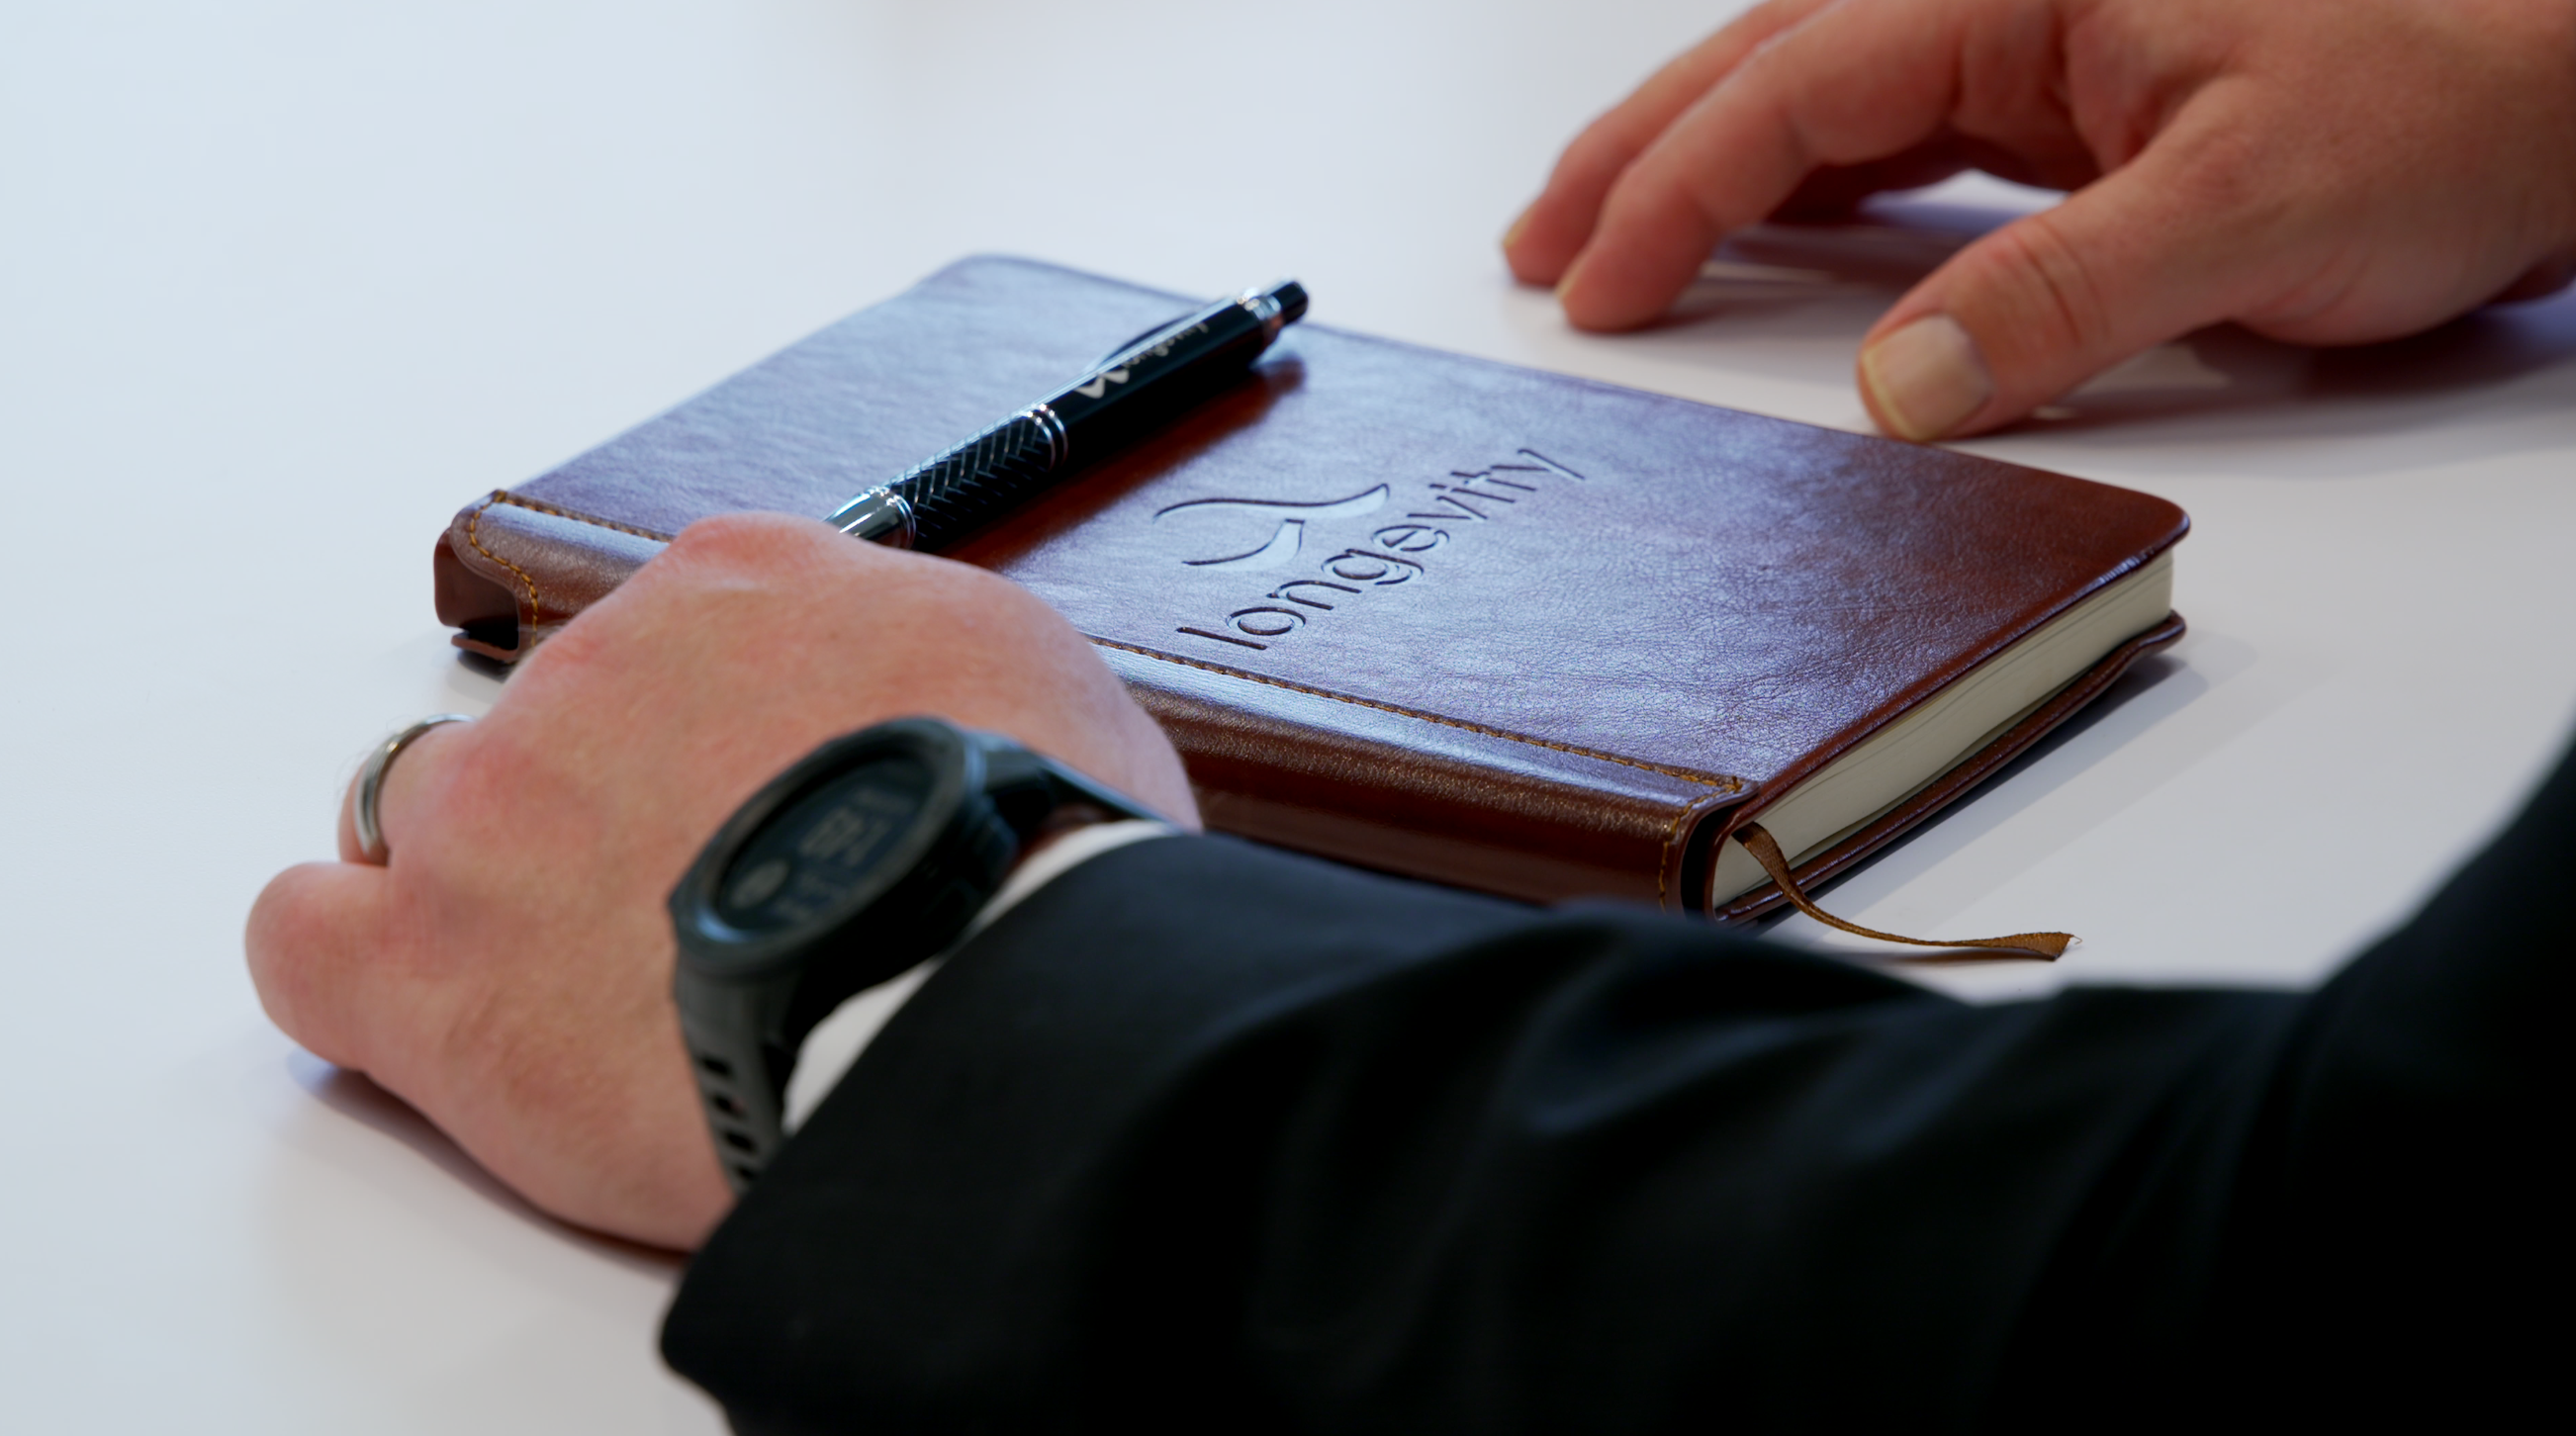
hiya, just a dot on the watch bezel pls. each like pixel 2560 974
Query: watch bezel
pixel 718 950
pixel 747 998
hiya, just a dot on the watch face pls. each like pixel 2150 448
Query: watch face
pixel 825 846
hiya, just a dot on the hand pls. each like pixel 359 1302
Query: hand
pixel 2321 171
pixel 508 972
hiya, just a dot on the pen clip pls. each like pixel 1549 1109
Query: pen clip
pixel 1263 304
pixel 1139 340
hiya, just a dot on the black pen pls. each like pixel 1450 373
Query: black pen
pixel 1143 383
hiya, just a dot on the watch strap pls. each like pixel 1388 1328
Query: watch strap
pixel 749 998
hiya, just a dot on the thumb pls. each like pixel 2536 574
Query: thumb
pixel 2047 302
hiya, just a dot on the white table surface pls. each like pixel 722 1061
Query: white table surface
pixel 283 283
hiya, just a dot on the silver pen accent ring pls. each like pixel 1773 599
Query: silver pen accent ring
pixel 1051 425
pixel 371 784
pixel 1265 310
pixel 879 515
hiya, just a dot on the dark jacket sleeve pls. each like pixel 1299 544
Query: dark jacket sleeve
pixel 1208 1135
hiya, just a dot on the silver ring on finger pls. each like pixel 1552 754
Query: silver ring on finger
pixel 371 783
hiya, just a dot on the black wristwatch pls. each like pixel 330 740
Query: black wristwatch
pixel 867 857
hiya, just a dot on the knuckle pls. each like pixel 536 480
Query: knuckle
pixel 2230 173
pixel 742 538
pixel 2052 291
pixel 966 591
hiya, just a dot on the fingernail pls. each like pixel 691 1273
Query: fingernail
pixel 1512 235
pixel 1926 378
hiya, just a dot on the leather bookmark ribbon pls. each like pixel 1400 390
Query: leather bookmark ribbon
pixel 2048 946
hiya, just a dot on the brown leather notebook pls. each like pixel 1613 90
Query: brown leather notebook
pixel 1430 614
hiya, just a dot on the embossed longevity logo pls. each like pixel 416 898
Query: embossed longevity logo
pixel 1393 556
pixel 1292 519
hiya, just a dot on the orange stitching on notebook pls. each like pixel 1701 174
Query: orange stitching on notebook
pixel 504 496
pixel 1721 781
pixel 536 610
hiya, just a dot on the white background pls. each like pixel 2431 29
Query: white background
pixel 282 284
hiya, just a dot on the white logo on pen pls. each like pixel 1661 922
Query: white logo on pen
pixel 1100 383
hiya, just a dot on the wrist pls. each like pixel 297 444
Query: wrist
pixel 834 1046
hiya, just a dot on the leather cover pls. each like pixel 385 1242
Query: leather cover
pixel 1449 618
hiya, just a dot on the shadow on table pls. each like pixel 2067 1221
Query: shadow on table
pixel 2498 380
pixel 356 1096
pixel 2158 687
